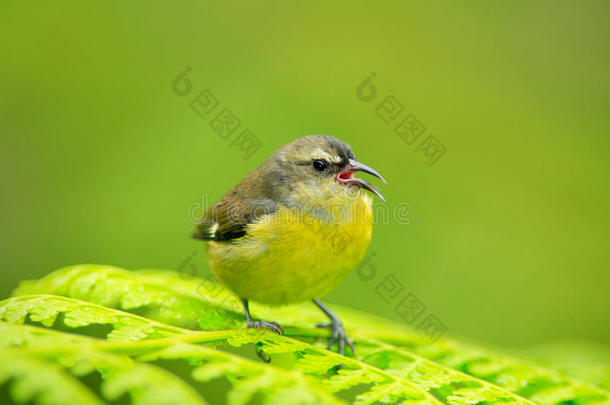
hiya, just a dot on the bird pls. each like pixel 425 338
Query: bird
pixel 293 229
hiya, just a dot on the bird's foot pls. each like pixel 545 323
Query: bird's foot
pixel 338 335
pixel 274 327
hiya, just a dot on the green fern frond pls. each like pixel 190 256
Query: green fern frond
pixel 41 382
pixel 145 384
pixel 455 387
pixel 123 367
pixel 114 287
pixel 46 309
pixel 394 364
pixel 318 360
pixel 248 377
pixel 538 384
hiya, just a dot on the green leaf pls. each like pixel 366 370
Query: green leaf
pixel 113 287
pixel 41 382
pixel 75 356
pixel 538 384
pixel 151 316
pixel 46 308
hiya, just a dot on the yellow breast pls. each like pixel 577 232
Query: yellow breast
pixel 293 254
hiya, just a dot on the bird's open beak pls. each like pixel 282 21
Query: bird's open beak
pixel 346 176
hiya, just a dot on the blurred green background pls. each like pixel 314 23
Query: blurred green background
pixel 101 160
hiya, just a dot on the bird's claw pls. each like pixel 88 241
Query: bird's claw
pixel 273 326
pixel 339 335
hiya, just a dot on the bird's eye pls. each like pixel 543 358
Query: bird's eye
pixel 320 165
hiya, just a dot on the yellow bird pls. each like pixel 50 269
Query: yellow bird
pixel 293 228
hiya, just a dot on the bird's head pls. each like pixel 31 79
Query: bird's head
pixel 318 162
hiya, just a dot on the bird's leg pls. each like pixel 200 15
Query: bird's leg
pixel 336 328
pixel 274 326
